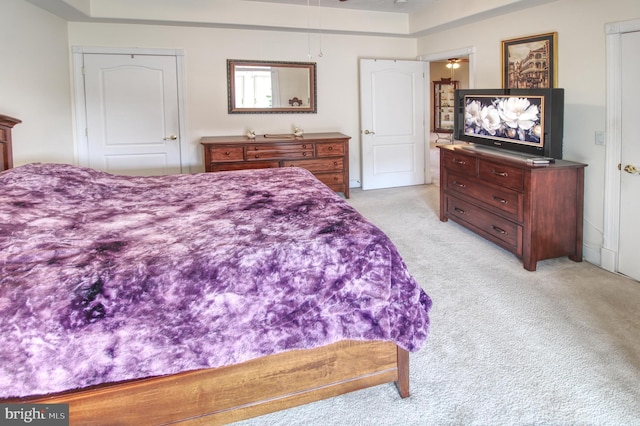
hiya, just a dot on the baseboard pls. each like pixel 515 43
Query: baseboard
pixel 592 254
pixel 609 260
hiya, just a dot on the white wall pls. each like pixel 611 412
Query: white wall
pixel 207 49
pixel 580 25
pixel 35 77
pixel 34 82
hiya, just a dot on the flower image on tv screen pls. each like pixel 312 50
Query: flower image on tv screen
pixel 508 118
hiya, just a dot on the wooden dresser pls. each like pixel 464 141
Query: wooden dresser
pixel 326 155
pixel 532 211
pixel 6 152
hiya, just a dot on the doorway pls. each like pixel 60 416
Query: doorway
pixel 436 70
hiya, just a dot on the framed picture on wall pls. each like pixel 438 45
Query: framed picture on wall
pixel 530 62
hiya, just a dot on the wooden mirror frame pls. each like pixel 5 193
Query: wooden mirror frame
pixel 232 64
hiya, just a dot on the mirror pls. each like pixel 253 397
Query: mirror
pixel 271 87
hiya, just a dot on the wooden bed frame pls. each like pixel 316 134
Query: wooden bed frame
pixel 232 393
pixel 229 394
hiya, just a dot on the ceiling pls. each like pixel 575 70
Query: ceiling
pixel 397 6
pixel 365 17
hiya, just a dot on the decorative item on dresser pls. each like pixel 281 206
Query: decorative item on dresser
pixel 532 210
pixel 6 151
pixel 326 155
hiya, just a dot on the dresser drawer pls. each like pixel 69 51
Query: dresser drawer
pixel 503 175
pixel 227 153
pixel 498 229
pixel 503 200
pixel 225 167
pixel 317 166
pixel 460 163
pixel 330 179
pixel 269 151
pixel 329 149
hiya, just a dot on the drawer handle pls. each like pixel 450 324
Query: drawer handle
pixel 459 210
pixel 335 178
pixel 304 145
pixel 499 230
pixel 335 163
pixel 500 200
pixel 227 153
pixel 257 156
pixel 256 148
pixel 304 154
pixel 501 174
pixel 330 148
pixel 459 185
pixel 461 162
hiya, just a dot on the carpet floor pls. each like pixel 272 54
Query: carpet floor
pixel 559 346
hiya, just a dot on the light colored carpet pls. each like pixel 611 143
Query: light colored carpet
pixel 559 346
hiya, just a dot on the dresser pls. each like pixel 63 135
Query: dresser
pixel 533 211
pixel 326 155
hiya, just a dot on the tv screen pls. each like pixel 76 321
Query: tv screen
pixel 523 120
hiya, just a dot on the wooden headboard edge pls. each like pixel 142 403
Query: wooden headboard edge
pixel 6 148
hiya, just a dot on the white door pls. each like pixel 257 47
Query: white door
pixel 392 109
pixel 132 114
pixel 629 241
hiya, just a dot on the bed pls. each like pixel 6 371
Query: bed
pixel 204 298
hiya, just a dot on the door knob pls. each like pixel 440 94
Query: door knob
pixel 367 132
pixel 629 168
pixel 171 138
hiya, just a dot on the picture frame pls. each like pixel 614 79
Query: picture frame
pixel 530 62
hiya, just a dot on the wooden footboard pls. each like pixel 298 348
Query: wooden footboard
pixel 233 393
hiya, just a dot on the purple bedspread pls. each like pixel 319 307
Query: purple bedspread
pixel 105 278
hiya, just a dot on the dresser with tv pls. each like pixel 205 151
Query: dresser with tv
pixel 535 211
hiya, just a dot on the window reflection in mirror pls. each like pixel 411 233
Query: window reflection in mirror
pixel 254 87
pixel 271 87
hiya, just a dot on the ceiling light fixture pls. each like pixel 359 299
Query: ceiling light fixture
pixel 453 64
pixel 320 54
pixel 308 29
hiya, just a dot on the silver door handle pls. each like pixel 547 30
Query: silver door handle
pixel 367 132
pixel 170 138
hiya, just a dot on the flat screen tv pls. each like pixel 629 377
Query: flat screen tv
pixel 528 121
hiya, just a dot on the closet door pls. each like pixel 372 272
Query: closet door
pixel 629 242
pixel 132 114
